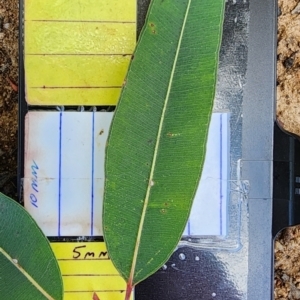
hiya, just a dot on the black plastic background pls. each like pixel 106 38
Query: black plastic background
pixel 286 199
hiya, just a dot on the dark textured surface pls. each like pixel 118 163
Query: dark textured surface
pixel 142 12
pixel 189 274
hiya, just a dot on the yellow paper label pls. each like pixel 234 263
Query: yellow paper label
pixel 77 52
pixel 87 269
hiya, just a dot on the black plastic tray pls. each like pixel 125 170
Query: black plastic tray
pixel 269 163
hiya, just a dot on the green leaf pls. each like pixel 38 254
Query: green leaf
pixel 157 141
pixel 28 267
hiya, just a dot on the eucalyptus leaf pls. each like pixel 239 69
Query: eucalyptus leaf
pixel 156 147
pixel 28 267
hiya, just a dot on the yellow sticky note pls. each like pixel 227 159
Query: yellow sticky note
pixel 77 52
pixel 86 269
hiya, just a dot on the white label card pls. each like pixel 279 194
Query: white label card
pixel 64 174
pixel 64 171
pixel 210 208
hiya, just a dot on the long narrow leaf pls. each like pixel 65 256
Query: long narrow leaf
pixel 157 141
pixel 28 267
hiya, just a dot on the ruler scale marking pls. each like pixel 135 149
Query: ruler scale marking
pixel 77 29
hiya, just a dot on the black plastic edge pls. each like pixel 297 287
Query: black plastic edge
pixel 286 189
pixel 79 239
pixel 22 106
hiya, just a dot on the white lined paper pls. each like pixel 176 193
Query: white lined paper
pixel 210 208
pixel 64 174
pixel 67 149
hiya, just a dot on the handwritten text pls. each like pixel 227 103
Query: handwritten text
pixel 80 252
pixel 34 184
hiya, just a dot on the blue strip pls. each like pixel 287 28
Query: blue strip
pixel 59 174
pixel 221 173
pixel 93 161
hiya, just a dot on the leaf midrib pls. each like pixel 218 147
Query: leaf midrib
pixel 153 164
pixel 28 277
